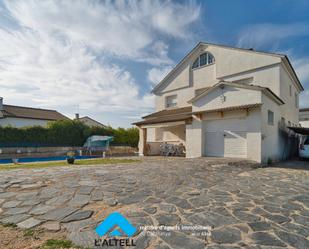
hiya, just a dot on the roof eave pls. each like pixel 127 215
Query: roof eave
pixel 174 69
pixel 230 108
pixel 288 63
pixel 145 122
pixel 273 96
pixel 225 46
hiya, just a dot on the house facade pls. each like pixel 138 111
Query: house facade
pixel 225 102
pixel 20 116
pixel 304 117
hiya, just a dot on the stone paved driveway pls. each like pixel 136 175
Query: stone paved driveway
pixel 246 207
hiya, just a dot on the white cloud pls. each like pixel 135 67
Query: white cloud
pixel 156 74
pixel 259 35
pixel 59 55
pixel 302 69
pixel 266 34
pixel 304 99
pixel 122 28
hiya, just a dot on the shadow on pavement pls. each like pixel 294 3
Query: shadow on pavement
pixel 296 163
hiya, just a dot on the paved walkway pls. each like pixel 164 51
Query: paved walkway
pixel 246 207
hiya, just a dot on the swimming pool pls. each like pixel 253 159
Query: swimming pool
pixel 43 159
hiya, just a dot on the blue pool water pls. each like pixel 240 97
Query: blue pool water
pixel 43 159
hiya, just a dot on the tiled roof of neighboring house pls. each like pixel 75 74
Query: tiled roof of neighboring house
pixel 230 108
pixel 266 90
pixel 170 115
pixel 304 110
pixel 31 113
pixel 97 123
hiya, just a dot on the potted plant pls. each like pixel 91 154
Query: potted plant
pixel 71 157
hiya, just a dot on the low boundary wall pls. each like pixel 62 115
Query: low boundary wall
pixel 24 152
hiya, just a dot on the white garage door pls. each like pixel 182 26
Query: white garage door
pixel 225 138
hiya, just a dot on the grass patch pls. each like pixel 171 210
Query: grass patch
pixel 28 233
pixel 64 163
pixel 12 225
pixel 57 244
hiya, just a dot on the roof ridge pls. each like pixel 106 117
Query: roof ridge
pixel 34 108
pixel 245 49
pixel 282 56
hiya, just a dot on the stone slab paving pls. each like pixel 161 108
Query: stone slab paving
pixel 246 207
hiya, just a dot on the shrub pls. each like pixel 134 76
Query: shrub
pixel 64 133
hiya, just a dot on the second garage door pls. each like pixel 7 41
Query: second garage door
pixel 225 138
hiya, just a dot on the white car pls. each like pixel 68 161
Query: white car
pixel 304 148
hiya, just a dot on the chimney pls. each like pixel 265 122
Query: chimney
pixel 76 116
pixel 1 103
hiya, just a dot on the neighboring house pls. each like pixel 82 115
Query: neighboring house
pixel 20 116
pixel 226 102
pixel 89 121
pixel 304 117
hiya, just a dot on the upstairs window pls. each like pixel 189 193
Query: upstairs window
pixel 296 100
pixel 270 117
pixel 171 101
pixel 290 91
pixel 204 59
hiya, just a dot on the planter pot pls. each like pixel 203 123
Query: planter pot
pixel 70 160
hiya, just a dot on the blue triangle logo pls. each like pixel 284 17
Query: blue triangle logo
pixel 112 222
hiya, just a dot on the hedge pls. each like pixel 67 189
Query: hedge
pixel 64 133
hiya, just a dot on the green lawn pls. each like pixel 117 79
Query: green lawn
pixel 64 163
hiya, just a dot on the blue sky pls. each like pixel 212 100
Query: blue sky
pixel 102 58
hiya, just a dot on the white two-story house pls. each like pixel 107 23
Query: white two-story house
pixel 225 102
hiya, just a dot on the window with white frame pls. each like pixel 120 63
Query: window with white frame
pixel 204 59
pixel 270 119
pixel 171 101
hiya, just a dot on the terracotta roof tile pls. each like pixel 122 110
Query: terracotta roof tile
pixel 167 112
pixel 169 115
pixel 32 113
